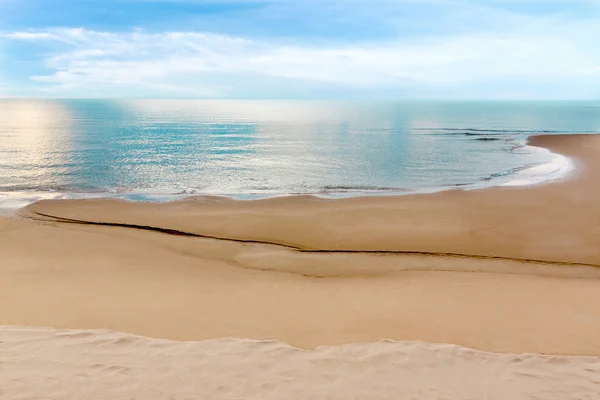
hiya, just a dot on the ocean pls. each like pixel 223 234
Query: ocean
pixel 156 150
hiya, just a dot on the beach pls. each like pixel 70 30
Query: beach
pixel 459 294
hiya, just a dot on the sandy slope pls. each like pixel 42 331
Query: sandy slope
pixel 502 270
pixel 101 365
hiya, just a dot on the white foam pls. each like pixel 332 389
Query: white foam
pixel 10 202
pixel 558 168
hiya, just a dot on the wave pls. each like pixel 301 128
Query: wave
pixel 510 171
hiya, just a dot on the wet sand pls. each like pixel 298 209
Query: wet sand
pixel 504 270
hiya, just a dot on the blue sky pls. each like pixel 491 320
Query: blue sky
pixel 415 49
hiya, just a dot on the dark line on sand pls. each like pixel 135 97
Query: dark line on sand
pixel 176 232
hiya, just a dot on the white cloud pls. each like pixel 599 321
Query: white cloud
pixel 432 48
pixel 211 65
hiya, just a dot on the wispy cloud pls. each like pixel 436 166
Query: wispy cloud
pixel 212 65
pixel 400 48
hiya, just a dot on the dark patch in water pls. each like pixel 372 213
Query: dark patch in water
pixel 508 172
pixel 349 188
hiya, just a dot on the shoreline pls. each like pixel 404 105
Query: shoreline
pixel 12 201
pixel 205 209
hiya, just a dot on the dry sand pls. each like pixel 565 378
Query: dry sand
pixel 505 270
pixel 101 365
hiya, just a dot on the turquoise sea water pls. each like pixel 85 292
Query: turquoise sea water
pixel 147 148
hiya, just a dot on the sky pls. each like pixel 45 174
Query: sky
pixel 373 49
